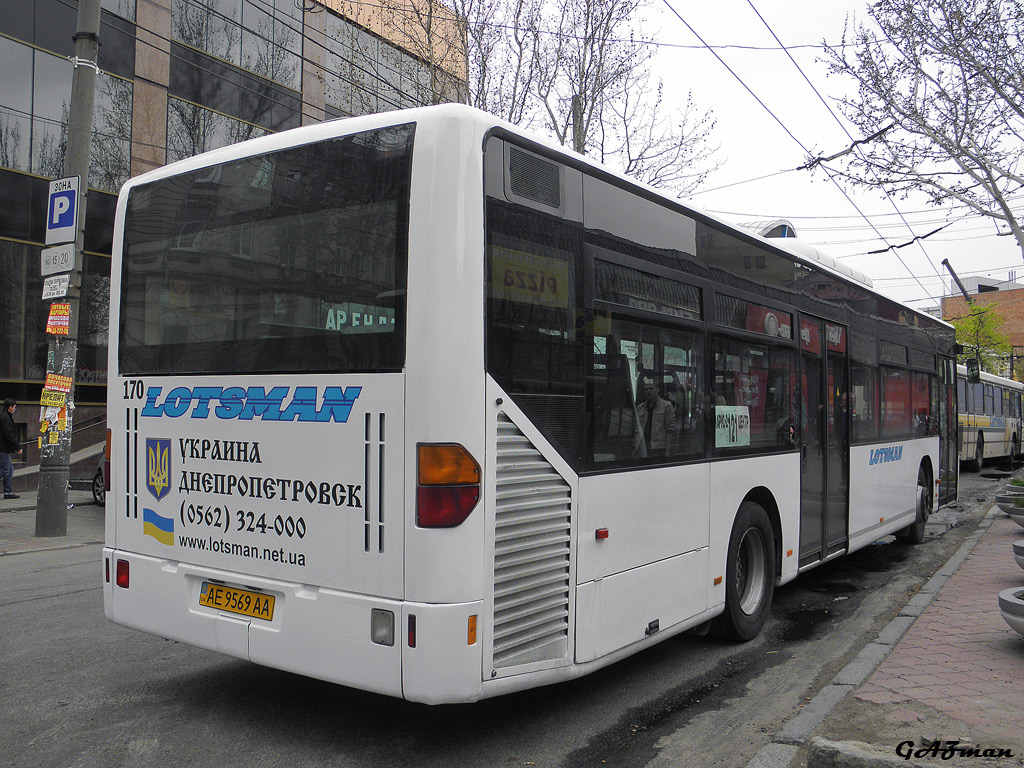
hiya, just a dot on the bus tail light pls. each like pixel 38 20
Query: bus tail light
pixel 122 577
pixel 448 485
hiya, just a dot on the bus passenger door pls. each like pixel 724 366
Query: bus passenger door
pixel 837 465
pixel 949 464
pixel 824 440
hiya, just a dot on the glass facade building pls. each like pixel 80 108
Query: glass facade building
pixel 177 77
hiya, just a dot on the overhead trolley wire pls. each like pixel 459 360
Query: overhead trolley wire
pixel 854 147
pixel 785 128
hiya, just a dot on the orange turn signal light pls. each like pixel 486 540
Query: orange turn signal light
pixel 447 464
pixel 448 485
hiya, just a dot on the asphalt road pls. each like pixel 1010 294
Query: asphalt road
pixel 79 691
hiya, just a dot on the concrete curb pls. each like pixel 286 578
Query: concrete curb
pixel 848 754
pixel 779 753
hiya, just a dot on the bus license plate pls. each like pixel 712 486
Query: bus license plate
pixel 240 601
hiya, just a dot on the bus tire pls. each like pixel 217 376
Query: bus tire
pixel 914 533
pixel 749 575
pixel 979 454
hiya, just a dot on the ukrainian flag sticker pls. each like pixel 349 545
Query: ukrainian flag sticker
pixel 160 528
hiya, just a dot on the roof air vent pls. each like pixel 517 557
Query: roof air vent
pixel 532 178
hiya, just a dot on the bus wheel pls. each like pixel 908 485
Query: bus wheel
pixel 914 533
pixel 749 575
pixel 979 454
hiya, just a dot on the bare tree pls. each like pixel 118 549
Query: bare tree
pixel 576 69
pixel 502 46
pixel 939 94
pixel 670 151
pixel 583 71
pixel 10 141
pixel 110 150
pixel 433 33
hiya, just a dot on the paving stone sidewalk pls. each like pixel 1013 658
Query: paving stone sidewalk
pixel 959 656
pixel 18 524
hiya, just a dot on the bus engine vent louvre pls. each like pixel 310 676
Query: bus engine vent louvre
pixel 531 554
pixel 534 178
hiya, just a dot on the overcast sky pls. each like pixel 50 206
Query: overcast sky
pixel 754 145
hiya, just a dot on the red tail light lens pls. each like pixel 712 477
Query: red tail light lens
pixel 448 485
pixel 445 506
pixel 122 574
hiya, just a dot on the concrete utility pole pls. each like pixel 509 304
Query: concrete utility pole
pixel 62 360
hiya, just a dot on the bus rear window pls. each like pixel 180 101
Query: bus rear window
pixel 290 261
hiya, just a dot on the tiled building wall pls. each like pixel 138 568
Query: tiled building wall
pixel 178 77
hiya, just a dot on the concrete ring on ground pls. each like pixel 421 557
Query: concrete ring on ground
pixel 1011 605
pixel 1017 516
pixel 1010 502
pixel 1018 552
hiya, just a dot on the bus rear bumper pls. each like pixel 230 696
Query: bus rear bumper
pixel 314 631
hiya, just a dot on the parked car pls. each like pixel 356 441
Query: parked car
pixel 99 481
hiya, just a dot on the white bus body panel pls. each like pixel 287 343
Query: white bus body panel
pixel 731 482
pixel 883 487
pixel 622 609
pixel 188 504
pixel 657 537
pixel 445 348
pixel 660 566
pixel 165 602
pixel 650 516
pixel 296 500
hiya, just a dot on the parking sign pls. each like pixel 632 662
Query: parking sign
pixel 62 211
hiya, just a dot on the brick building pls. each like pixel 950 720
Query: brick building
pixel 1009 295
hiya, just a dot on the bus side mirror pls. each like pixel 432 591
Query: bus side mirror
pixel 973 370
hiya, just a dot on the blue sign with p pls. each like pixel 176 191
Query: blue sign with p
pixel 62 210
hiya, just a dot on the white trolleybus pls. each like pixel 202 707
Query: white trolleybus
pixel 418 404
pixel 988 418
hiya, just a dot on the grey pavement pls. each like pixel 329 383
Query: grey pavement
pixel 18 524
pixel 946 668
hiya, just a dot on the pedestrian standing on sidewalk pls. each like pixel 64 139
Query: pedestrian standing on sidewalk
pixel 9 447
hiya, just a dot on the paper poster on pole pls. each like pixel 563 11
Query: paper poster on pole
pixel 57 382
pixel 59 321
pixel 52 399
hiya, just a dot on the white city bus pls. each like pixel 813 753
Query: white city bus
pixel 420 404
pixel 988 418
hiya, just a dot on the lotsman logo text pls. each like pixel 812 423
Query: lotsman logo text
pixel 279 404
pixel 883 455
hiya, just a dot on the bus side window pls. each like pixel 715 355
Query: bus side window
pixel 896 416
pixel 864 413
pixel 757 383
pixel 634 364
